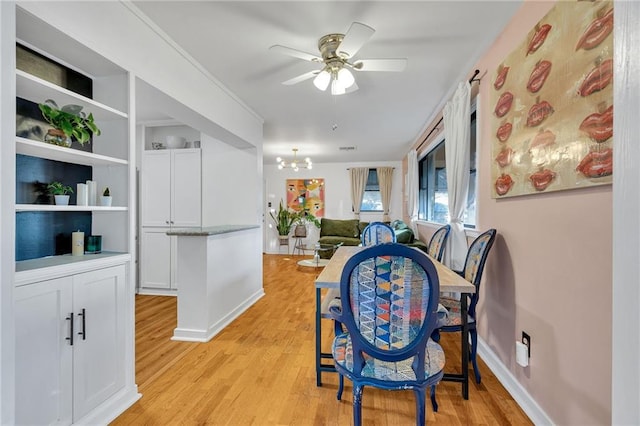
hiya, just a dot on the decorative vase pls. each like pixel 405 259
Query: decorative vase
pixel 105 201
pixel 57 137
pixel 61 200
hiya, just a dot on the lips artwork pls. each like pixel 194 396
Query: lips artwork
pixel 504 132
pixel 596 32
pixel 538 113
pixel 503 184
pixel 501 78
pixel 538 76
pixel 597 164
pixel 597 79
pixel 552 101
pixel 504 104
pixel 538 38
pixel 542 179
pixel 504 157
pixel 599 126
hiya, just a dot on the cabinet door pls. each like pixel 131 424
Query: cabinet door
pixel 156 188
pixel 156 259
pixel 100 304
pixel 44 356
pixel 186 194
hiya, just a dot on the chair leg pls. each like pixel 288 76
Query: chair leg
pixel 420 397
pixel 357 404
pixel 434 403
pixel 474 353
pixel 340 386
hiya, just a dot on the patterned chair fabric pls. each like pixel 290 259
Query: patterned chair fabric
pixel 472 272
pixel 388 304
pixel 378 233
pixel 438 241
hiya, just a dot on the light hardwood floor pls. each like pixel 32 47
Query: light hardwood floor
pixel 260 369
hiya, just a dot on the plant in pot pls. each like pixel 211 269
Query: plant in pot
pixel 60 193
pixel 283 219
pixel 106 198
pixel 301 220
pixel 67 121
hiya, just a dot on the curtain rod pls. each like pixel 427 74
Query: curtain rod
pixel 471 80
pixel 348 168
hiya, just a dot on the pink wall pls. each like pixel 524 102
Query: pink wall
pixel 549 274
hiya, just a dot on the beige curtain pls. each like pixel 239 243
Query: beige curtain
pixel 385 176
pixel 358 177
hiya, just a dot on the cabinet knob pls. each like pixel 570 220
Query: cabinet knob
pixel 166 221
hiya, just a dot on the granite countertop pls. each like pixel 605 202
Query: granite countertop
pixel 209 230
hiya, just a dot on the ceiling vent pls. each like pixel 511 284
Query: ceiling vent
pixel 347 148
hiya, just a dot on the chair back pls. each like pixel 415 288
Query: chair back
pixel 389 297
pixel 474 264
pixel 438 242
pixel 377 233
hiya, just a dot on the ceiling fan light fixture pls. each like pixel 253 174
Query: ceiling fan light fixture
pixel 322 80
pixel 337 88
pixel 346 78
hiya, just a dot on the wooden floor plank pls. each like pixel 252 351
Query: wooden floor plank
pixel 260 369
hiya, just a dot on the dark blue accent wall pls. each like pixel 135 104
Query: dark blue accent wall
pixel 40 234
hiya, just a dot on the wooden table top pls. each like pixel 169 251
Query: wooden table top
pixel 330 275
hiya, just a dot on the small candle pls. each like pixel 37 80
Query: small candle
pixel 92 195
pixel 77 243
pixel 82 195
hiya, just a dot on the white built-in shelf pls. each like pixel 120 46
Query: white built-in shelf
pixel 37 90
pixel 66 155
pixel 56 208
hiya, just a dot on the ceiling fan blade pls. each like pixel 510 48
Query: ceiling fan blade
pixel 295 53
pixel 355 38
pixel 380 65
pixel 302 77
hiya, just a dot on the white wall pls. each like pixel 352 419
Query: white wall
pixel 337 195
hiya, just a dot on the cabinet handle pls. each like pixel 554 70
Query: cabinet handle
pixel 83 333
pixel 171 221
pixel 70 338
pixel 166 221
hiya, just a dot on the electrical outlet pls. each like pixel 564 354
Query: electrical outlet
pixel 526 339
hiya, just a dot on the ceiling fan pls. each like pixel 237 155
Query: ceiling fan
pixel 337 52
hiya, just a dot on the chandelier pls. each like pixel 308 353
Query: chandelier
pixel 294 164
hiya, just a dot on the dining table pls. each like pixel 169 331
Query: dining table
pixel 329 280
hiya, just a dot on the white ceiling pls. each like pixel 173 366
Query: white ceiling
pixel 442 41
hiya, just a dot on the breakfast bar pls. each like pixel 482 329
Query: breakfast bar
pixel 219 276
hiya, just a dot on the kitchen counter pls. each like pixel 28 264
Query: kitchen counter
pixel 209 230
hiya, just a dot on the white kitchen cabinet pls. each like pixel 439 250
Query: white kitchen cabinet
pixel 171 188
pixel 158 259
pixel 70 345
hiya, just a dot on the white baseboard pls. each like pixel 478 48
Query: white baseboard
pixel 516 390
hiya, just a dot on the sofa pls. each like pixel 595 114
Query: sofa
pixel 349 232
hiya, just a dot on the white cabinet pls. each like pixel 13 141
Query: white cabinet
pixel 171 188
pixel 70 345
pixel 158 259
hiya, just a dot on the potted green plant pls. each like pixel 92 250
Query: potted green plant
pixel 106 198
pixel 60 193
pixel 283 219
pixel 67 121
pixel 301 220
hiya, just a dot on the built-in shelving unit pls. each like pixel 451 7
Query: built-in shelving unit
pixel 56 208
pixel 66 155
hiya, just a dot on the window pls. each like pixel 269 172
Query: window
pixel 433 199
pixel 371 201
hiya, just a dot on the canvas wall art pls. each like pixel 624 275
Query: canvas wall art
pixel 552 104
pixel 306 194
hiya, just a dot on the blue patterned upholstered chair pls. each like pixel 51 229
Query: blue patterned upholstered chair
pixel 389 297
pixel 378 233
pixel 438 242
pixel 472 272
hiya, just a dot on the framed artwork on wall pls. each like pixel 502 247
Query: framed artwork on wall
pixel 552 100
pixel 306 194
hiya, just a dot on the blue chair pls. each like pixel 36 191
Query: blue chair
pixel 377 233
pixel 472 272
pixel 437 243
pixel 388 303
